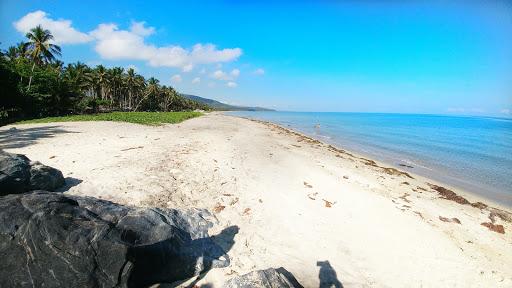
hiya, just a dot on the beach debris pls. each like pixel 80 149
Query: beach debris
pixel 493 227
pixel 227 194
pixel 449 220
pixel 405 183
pixel 419 214
pixel 405 165
pixel 479 205
pixel 328 204
pixel 387 170
pixel 404 197
pixel 312 196
pixel 345 177
pixel 264 278
pixel 234 201
pixel 132 148
pixel 223 183
pixel 218 207
pixel 295 145
pixel 247 211
pixel 261 201
pixel 307 185
pixel 449 194
pixel 51 157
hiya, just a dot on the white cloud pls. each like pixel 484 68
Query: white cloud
pixel 61 29
pixel 231 84
pixel 112 43
pixel 188 68
pixel 140 29
pixel 115 44
pixel 505 111
pixel 221 75
pixel 176 78
pixel 259 71
pixel 235 73
pixel 196 80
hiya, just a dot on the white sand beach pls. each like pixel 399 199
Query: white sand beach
pixel 296 202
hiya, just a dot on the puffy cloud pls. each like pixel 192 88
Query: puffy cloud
pixel 196 80
pixel 231 84
pixel 235 73
pixel 188 68
pixel 112 43
pixel 115 44
pixel 221 75
pixel 259 71
pixel 140 29
pixel 61 29
pixel 176 78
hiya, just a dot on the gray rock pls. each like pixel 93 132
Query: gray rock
pixel 44 177
pixel 55 240
pixel 18 175
pixel 269 278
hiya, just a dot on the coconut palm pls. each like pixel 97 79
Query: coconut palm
pixel 39 48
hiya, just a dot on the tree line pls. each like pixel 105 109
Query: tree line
pixel 34 83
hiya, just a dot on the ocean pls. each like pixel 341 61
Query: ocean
pixel 472 153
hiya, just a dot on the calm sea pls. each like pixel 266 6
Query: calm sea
pixel 473 153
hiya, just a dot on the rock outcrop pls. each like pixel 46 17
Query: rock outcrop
pixel 18 175
pixel 268 278
pixel 55 240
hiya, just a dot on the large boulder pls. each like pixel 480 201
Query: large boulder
pixel 18 175
pixel 268 278
pixel 55 240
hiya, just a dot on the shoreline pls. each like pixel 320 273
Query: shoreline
pixel 294 200
pixel 427 178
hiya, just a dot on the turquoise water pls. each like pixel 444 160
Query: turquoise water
pixel 473 153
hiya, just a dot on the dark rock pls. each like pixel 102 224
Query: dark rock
pixel 44 177
pixel 269 278
pixel 53 240
pixel 18 175
pixel 14 173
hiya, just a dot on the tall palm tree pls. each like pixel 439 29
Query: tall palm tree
pixel 116 82
pixel 132 82
pixel 101 75
pixel 39 48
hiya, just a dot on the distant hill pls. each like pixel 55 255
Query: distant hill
pixel 216 105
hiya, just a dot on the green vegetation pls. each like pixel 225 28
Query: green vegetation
pixel 34 84
pixel 146 118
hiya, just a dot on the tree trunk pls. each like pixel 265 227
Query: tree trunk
pixel 31 74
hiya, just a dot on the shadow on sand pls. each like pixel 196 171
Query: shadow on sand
pixel 22 137
pixel 169 260
pixel 69 182
pixel 327 275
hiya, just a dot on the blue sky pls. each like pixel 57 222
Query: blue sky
pixel 363 56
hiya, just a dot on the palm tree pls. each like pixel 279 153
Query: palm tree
pixel 75 74
pixel 152 91
pixel 134 84
pixel 101 75
pixel 39 48
pixel 116 81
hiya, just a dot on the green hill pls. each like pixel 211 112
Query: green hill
pixel 216 105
